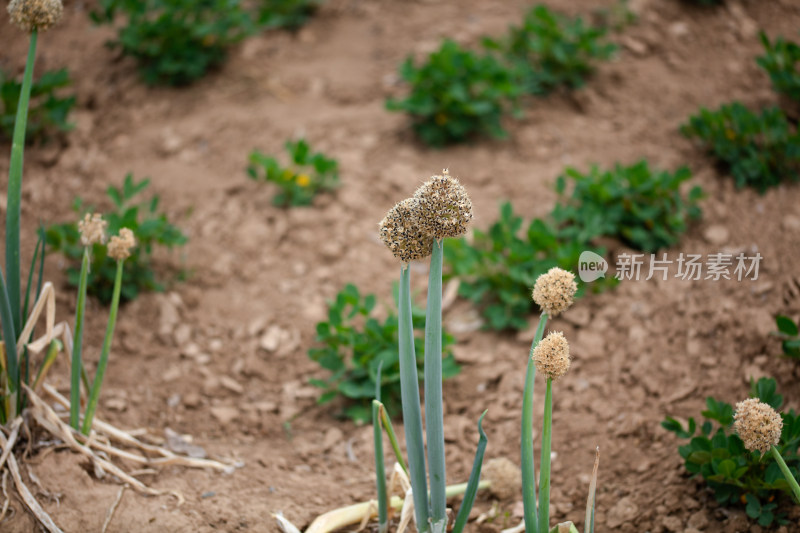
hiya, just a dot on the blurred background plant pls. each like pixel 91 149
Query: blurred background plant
pixel 175 42
pixel 456 95
pixel 789 333
pixel 761 150
pixel 47 111
pixel 643 208
pixel 151 228
pixel 354 344
pixel 736 475
pixel 550 50
pixel 780 60
pixel 287 14
pixel 308 174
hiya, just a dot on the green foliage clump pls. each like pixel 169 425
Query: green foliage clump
pixel 552 50
pixel 789 333
pixel 288 14
pixel 641 207
pixel 499 268
pixel 175 42
pixel 761 150
pixel 457 94
pixel 355 345
pixel 782 63
pixel 47 111
pixel 309 174
pixel 150 228
pixel 734 474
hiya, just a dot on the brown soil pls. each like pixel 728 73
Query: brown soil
pixel 192 359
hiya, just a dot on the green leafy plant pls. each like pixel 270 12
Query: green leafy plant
pixel 736 475
pixel 642 207
pixel 761 150
pixel 47 111
pixel 553 51
pixel 457 94
pixel 781 60
pixel 176 41
pixel 498 268
pixel 288 14
pixel 354 345
pixel 151 229
pixel 789 333
pixel 309 174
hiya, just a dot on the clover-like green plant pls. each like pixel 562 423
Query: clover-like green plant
pixel 781 60
pixel 643 208
pixel 175 42
pixel 152 229
pixel 736 474
pixel 47 111
pixel 761 150
pixel 789 334
pixel 353 345
pixel 457 95
pixel 498 266
pixel 308 174
pixel 550 50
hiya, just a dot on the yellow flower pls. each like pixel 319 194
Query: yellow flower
pixel 303 180
pixel 441 119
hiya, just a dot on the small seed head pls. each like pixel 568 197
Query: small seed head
pixel 30 15
pixel 119 248
pixel 554 291
pixel 505 476
pixel 400 232
pixel 92 229
pixel 758 425
pixel 445 207
pixel 551 355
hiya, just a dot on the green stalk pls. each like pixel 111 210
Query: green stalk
pixel 786 472
pixel 387 425
pixel 544 473
pixel 97 384
pixel 409 392
pixel 528 470
pixel 434 418
pixel 12 363
pixel 380 470
pixel 13 210
pixel 474 480
pixel 75 382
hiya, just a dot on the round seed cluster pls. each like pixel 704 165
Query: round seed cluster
pixel 30 15
pixel 758 425
pixel 554 291
pixel 92 229
pixel 401 233
pixel 119 248
pixel 551 355
pixel 505 477
pixel 445 207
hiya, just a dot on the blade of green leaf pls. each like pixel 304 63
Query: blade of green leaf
pixel 474 479
pixel 588 526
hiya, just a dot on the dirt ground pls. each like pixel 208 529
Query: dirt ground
pixel 195 359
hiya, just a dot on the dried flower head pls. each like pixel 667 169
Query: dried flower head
pixel 554 291
pixel 30 15
pixel 505 477
pixel 758 425
pixel 119 247
pixel 92 229
pixel 400 232
pixel 551 355
pixel 445 207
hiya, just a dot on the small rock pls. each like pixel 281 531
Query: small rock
pixel 672 523
pixel 579 316
pixel 116 404
pixel 637 47
pixel 170 143
pixel 225 415
pixel 183 444
pixel 191 400
pixel 791 223
pixel 271 339
pixel 716 234
pixel 679 29
pixel 231 384
pixel 698 520
pixel 625 510
pixel 333 437
pixel 182 334
pixel 589 344
pixel 172 373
